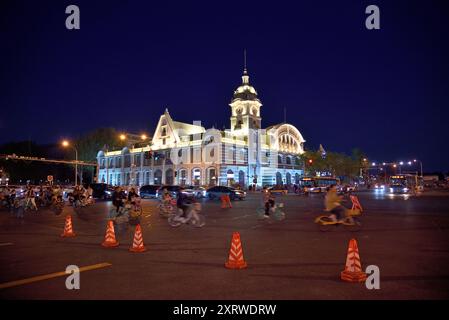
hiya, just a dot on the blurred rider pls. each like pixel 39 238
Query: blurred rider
pixel 332 203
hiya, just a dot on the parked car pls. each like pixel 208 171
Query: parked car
pixel 217 191
pixel 148 191
pixel 278 190
pixel 195 191
pixel 348 188
pixel 102 190
pixel 173 190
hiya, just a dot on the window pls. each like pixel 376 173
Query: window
pixel 279 159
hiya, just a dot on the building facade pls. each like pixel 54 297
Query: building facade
pixel 189 154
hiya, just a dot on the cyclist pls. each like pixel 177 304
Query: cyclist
pixel 117 199
pixel 182 202
pixel 30 198
pixel 332 204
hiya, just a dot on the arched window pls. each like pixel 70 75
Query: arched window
pixel 279 178
pixel 196 176
pixel 279 159
pixel 158 177
pixel 169 178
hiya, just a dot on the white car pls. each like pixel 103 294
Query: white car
pixel 197 192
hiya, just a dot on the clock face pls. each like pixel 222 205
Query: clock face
pixel 239 110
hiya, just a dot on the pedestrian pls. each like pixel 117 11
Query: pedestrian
pixel 19 206
pixel 268 200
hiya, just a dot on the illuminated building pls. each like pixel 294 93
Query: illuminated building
pixel 188 154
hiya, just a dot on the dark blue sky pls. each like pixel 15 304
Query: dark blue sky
pixel 385 92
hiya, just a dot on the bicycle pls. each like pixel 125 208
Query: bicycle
pixel 193 217
pixel 351 221
pixel 275 212
pixel 57 206
pixel 166 209
pixel 119 217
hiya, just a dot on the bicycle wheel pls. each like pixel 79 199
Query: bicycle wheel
pixel 57 209
pixel 260 213
pixel 173 222
pixel 325 223
pixel 352 224
pixel 279 215
pixel 199 221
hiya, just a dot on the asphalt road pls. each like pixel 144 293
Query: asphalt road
pixel 406 238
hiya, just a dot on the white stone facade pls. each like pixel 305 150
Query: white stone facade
pixel 188 154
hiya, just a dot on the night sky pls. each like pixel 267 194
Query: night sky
pixel 384 91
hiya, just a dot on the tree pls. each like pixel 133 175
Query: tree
pixel 89 144
pixel 337 164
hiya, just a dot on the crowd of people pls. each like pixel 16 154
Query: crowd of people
pixel 29 198
pixel 19 200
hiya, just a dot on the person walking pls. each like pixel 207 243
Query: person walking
pixel 268 200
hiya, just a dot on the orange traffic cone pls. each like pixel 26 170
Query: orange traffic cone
pixel 223 201
pixel 68 231
pixel 353 269
pixel 235 260
pixel 356 203
pixel 228 200
pixel 138 241
pixel 109 239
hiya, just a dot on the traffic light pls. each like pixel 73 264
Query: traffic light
pixel 310 161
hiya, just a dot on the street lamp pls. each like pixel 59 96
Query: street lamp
pixel 143 137
pixel 66 144
pixel 122 137
pixel 420 164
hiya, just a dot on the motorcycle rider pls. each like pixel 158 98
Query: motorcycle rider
pixel 332 203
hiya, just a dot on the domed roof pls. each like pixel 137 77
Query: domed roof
pixel 245 91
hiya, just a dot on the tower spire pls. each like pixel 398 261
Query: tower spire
pixel 245 77
pixel 244 61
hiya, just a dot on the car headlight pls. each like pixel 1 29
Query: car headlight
pixel 405 189
pixel 391 189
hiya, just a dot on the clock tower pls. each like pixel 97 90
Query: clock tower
pixel 245 106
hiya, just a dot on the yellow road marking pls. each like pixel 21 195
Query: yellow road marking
pixel 6 244
pixel 50 276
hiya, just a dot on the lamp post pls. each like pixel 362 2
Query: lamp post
pixel 66 144
pixel 420 165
